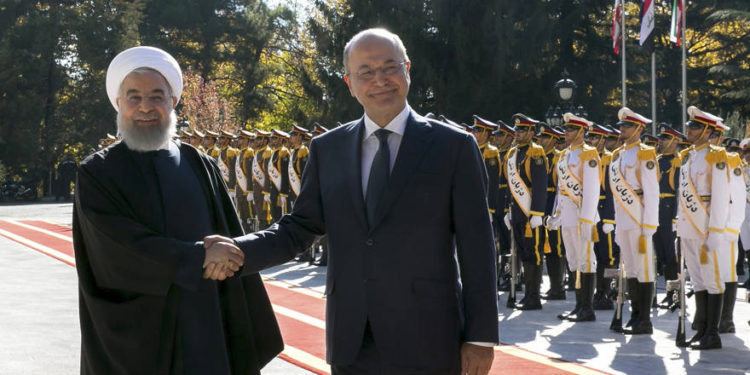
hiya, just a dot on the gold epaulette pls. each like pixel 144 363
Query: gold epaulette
pixel 588 153
pixel 283 152
pixel 734 160
pixel 214 152
pixel 556 158
pixel 677 161
pixel 646 152
pixel 535 150
pixel 490 152
pixel 201 149
pixel 716 154
pixel 683 153
pixel 606 158
pixel 249 153
pixel 303 152
pixel 231 151
pixel 267 153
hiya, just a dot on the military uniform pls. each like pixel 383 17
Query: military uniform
pixel 261 183
pixel 704 197
pixel 243 169
pixel 297 162
pixel 554 251
pixel 226 161
pixel 669 174
pixel 526 170
pixel 575 214
pixel 277 169
pixel 502 208
pixel 606 249
pixel 635 188
pixel 491 158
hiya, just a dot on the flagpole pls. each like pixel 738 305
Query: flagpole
pixel 624 67
pixel 653 93
pixel 684 66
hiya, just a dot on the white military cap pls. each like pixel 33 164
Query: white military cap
pixel 142 57
pixel 571 119
pixel 745 144
pixel 628 115
pixel 705 118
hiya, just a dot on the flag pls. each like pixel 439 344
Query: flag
pixel 617 27
pixel 675 31
pixel 647 25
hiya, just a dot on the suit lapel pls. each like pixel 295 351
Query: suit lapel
pixel 353 165
pixel 413 147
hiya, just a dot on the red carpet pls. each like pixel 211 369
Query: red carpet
pixel 300 311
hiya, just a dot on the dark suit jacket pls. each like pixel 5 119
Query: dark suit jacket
pixel 402 273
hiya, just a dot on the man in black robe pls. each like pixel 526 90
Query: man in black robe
pixel 142 206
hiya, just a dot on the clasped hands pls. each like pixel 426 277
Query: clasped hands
pixel 223 258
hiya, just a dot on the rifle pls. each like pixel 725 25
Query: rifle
pixel 512 296
pixel 616 324
pixel 680 341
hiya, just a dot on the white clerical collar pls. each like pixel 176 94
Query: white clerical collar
pixel 397 125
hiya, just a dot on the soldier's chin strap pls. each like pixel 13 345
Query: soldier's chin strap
pixel 627 141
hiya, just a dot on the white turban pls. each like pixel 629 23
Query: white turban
pixel 142 57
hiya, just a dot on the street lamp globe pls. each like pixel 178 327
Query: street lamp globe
pixel 565 87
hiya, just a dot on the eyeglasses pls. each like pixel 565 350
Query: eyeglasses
pixel 388 70
pixel 694 125
pixel 570 128
pixel 627 125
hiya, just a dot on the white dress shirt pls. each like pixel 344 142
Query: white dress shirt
pixel 370 143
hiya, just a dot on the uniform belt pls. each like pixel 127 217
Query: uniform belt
pixel 666 195
pixel 602 197
pixel 551 189
pixel 705 198
pixel 503 186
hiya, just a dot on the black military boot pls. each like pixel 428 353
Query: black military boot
pixel 601 297
pixel 711 339
pixel 532 278
pixel 576 309
pixel 571 285
pixel 699 320
pixel 727 312
pixel 586 313
pixel 555 272
pixel 643 325
pixel 633 292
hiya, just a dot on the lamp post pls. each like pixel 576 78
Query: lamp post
pixel 565 91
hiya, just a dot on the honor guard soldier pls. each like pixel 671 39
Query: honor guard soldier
pixel 612 142
pixel 185 135
pixel 575 214
pixel 606 250
pixel 650 140
pixel 297 160
pixel 243 167
pixel 634 181
pixel 704 197
pixel 526 169
pixel 744 243
pixel 669 175
pixel 278 166
pixel 226 162
pixel 730 254
pixel 491 156
pixel 197 140
pixel 503 138
pixel 261 183
pixel 209 144
pixel 554 251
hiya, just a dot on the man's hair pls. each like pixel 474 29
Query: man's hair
pixel 378 31
pixel 145 69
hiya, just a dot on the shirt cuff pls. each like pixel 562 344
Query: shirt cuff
pixel 485 344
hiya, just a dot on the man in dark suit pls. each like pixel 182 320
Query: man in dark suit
pixel 403 200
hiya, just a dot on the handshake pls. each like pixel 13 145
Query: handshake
pixel 223 258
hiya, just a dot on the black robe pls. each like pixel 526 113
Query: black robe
pixel 128 267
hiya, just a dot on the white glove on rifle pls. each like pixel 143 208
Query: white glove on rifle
pixel 507 220
pixel 607 228
pixel 535 221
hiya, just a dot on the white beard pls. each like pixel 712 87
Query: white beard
pixel 150 138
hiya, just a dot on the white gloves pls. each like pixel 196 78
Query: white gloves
pixel 715 241
pixel 535 221
pixel 647 232
pixel 283 201
pixel 585 231
pixel 607 228
pixel 506 219
pixel 553 222
pixel 267 198
pixel 250 197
